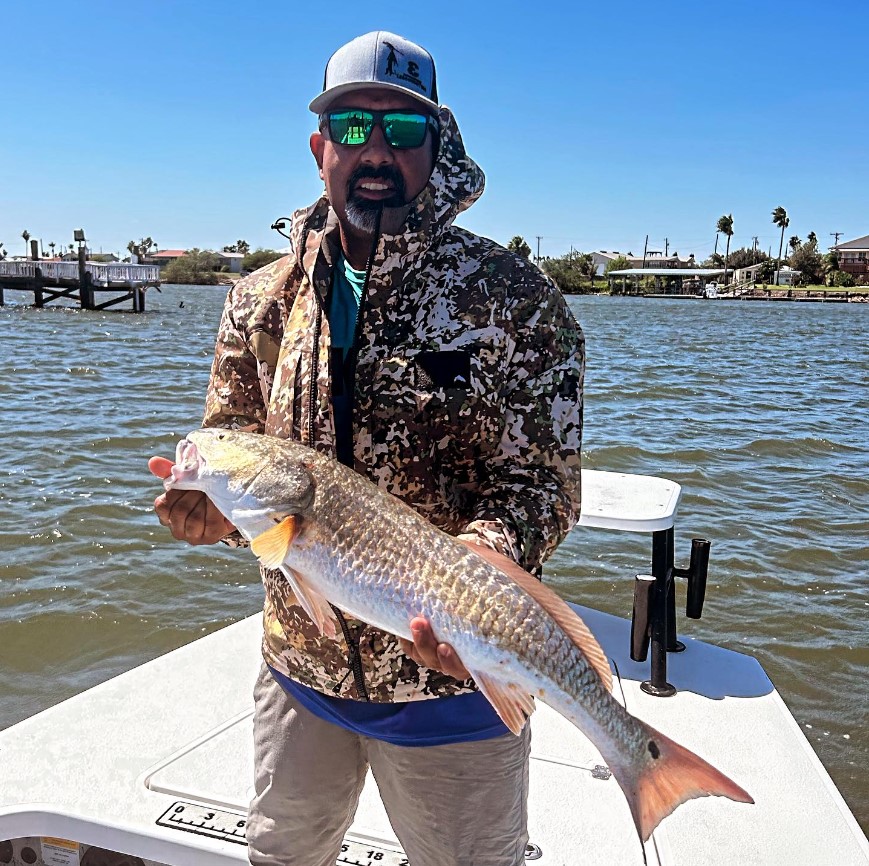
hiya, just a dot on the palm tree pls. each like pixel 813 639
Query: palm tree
pixel 725 226
pixel 812 238
pixel 52 245
pixel 519 246
pixel 795 243
pixel 780 218
pixel 26 235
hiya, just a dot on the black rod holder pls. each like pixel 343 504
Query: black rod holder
pixel 697 572
pixel 657 685
pixel 644 588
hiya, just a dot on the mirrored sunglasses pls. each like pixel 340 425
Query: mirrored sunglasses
pixel 401 129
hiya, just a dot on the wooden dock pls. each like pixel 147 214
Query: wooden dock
pixel 94 285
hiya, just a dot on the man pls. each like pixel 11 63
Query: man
pixel 447 370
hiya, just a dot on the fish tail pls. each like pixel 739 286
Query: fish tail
pixel 672 776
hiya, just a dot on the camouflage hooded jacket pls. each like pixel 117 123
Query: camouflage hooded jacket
pixel 467 401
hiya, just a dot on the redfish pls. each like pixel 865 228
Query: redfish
pixel 342 541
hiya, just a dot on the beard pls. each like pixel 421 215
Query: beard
pixel 362 213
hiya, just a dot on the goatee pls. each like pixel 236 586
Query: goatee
pixel 362 212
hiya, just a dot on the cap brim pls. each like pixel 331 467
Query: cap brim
pixel 328 97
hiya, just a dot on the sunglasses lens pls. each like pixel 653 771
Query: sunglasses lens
pixel 400 128
pixel 403 129
pixel 350 127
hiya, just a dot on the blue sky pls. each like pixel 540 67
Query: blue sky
pixel 596 124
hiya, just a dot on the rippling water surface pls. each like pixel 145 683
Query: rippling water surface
pixel 759 411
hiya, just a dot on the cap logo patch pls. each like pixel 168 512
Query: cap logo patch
pixel 411 74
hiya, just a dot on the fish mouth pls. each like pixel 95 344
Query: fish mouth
pixel 188 462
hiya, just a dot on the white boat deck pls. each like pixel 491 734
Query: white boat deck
pixel 157 763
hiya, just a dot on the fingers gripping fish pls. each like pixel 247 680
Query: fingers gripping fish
pixel 341 540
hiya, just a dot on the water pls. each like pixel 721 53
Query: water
pixel 758 410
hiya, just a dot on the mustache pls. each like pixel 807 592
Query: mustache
pixel 384 172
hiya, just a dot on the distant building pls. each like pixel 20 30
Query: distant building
pixel 854 256
pixel 163 257
pixel 748 274
pixel 231 259
pixel 654 259
pixel 787 276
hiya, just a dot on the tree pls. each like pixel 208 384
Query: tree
pixel 794 243
pixel 519 246
pixel 566 273
pixel 743 258
pixel 142 248
pixel 587 267
pixel 259 258
pixel 812 238
pixel 809 261
pixel 725 226
pixel 780 218
pixel 617 264
pixel 2 253
pixel 242 247
pixel 195 267
pixel 26 235
pixel 52 245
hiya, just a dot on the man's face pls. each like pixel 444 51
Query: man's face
pixel 364 179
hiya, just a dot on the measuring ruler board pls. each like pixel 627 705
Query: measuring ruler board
pixel 230 826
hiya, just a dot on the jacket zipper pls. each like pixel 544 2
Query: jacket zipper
pixel 354 657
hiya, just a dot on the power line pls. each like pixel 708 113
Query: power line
pixel 836 236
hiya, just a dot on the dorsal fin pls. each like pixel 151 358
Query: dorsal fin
pixel 555 606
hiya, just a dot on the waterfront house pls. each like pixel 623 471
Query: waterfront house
pixel 163 257
pixel 233 260
pixel 854 256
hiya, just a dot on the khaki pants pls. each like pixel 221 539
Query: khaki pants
pixel 456 805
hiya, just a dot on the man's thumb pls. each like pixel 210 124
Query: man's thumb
pixel 160 466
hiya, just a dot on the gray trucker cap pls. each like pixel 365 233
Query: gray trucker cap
pixel 379 59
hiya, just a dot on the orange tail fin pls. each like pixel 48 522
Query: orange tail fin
pixel 671 778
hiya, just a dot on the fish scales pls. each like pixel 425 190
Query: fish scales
pixel 344 541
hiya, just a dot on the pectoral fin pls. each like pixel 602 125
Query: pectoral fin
pixel 314 604
pixel 272 545
pixel 511 703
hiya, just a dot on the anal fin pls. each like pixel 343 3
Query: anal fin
pixel 312 602
pixel 513 704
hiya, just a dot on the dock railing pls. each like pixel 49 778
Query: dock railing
pixel 102 273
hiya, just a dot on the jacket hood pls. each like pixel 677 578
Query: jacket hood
pixel 456 182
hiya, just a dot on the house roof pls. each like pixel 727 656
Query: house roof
pixel 231 255
pixel 168 254
pixel 667 272
pixel 858 244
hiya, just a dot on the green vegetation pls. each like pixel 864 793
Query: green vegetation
pixel 780 218
pixel 519 246
pixel 725 226
pixel 259 258
pixel 573 273
pixel 197 267
pixel 141 248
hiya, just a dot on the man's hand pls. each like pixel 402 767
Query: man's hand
pixel 190 515
pixel 425 650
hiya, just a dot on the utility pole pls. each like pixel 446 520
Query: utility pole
pixel 754 248
pixel 645 247
pixel 836 236
pixel 666 247
pixel 538 249
pixel 715 253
